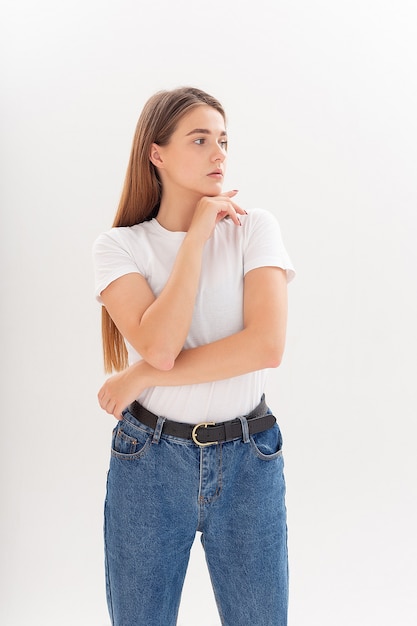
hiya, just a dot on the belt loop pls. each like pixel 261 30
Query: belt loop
pixel 158 429
pixel 245 428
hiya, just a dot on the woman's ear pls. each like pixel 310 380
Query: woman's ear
pixel 155 155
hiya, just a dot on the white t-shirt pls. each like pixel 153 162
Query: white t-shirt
pixel 231 252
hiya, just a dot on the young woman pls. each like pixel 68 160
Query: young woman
pixel 194 300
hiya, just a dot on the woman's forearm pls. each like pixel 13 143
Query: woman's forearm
pixel 259 345
pixel 238 354
pixel 165 324
pixel 167 321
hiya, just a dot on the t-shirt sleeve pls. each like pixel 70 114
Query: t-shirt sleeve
pixel 264 246
pixel 111 259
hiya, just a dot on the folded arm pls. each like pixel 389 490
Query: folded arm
pixel 157 327
pixel 259 345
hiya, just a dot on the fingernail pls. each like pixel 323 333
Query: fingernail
pixel 240 223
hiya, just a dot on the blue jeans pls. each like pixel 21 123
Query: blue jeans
pixel 161 490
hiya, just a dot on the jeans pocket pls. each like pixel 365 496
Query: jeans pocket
pixel 129 442
pixel 267 445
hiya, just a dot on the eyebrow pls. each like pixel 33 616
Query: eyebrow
pixel 204 131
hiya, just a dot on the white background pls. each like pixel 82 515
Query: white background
pixel 321 98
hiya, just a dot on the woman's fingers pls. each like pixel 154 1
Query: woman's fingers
pixel 231 211
pixel 212 209
pixel 108 403
pixel 111 407
pixel 230 195
pixel 228 208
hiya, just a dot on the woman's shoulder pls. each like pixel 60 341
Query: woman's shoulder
pixel 256 220
pixel 119 236
pixel 258 213
pixel 260 218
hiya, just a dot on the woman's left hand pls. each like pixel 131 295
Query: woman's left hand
pixel 121 389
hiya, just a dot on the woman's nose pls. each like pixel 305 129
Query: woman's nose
pixel 219 155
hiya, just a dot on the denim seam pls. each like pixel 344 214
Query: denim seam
pixel 158 430
pixel 204 500
pixel 108 584
pixel 134 455
pixel 265 457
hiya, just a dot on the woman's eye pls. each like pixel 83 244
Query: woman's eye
pixel 200 141
pixel 223 144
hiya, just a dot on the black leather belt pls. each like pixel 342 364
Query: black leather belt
pixel 207 433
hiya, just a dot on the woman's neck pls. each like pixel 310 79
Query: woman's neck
pixel 175 214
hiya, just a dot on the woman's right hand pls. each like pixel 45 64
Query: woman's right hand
pixel 119 390
pixel 212 209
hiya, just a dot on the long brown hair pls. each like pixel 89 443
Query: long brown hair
pixel 142 189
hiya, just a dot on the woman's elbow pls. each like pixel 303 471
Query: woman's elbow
pixel 273 361
pixel 273 353
pixel 159 359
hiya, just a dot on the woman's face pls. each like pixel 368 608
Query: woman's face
pixel 194 159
